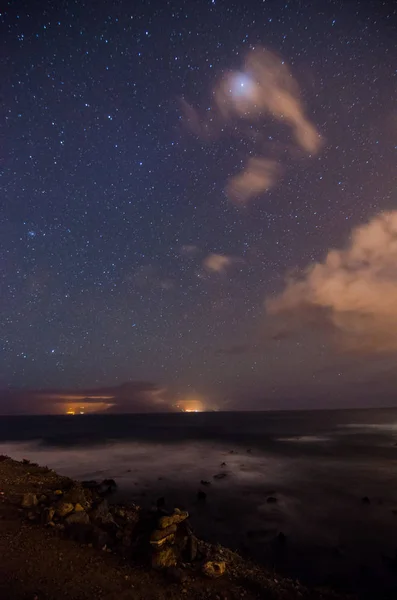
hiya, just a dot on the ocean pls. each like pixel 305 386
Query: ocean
pixel 319 466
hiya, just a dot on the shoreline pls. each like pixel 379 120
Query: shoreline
pixel 154 552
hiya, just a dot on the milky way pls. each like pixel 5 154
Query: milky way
pixel 121 255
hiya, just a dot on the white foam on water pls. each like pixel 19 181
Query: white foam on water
pixel 305 439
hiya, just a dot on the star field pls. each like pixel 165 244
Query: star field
pixel 110 206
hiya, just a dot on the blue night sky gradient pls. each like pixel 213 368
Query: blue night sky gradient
pixel 109 205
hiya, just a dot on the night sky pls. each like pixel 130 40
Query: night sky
pixel 152 207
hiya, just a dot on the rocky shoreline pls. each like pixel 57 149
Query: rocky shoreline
pixel 156 549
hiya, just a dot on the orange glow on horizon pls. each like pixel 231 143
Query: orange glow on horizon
pixel 93 407
pixel 192 404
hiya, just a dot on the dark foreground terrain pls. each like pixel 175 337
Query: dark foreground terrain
pixel 60 539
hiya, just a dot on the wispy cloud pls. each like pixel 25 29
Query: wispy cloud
pixel 218 263
pixel 259 175
pixel 266 85
pixel 265 88
pixel 189 250
pixel 354 290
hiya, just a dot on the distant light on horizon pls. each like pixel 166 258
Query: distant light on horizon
pixel 92 407
pixel 192 403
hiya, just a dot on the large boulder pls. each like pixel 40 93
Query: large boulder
pixel 214 569
pixel 160 536
pixel 107 486
pixel 168 520
pixel 47 515
pixel 63 508
pixel 80 517
pixel 191 548
pixel 100 512
pixel 29 500
pixel 90 485
pixel 76 495
pixel 164 558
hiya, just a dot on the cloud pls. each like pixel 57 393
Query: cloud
pixel 133 396
pixel 266 85
pixel 218 263
pixel 189 250
pixel 259 175
pixel 265 88
pixel 353 290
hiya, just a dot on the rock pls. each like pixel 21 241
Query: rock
pixel 271 500
pixel 214 569
pixel 43 499
pixel 223 464
pixel 78 507
pixel 185 528
pixel 120 512
pixel 80 517
pixel 107 486
pixel 90 485
pixel 99 537
pixel 110 483
pixel 76 496
pixel 160 536
pixel 174 519
pixel 201 496
pixel 192 548
pixel 365 500
pixel 47 515
pixel 126 537
pixel 204 482
pixel 29 500
pixel 164 558
pixel 86 533
pixel 63 509
pixel 220 476
pixel 101 512
pixel 176 575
